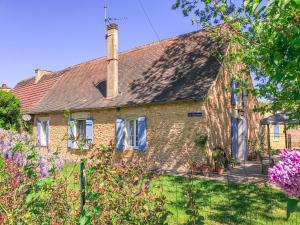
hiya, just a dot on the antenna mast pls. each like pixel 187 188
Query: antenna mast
pixel 105 20
pixel 108 20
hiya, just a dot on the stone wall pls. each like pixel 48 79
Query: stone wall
pixel 170 133
pixel 219 111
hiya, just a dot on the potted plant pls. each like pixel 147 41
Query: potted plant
pixel 193 167
pixel 201 144
pixel 219 158
pixel 205 168
pixel 220 168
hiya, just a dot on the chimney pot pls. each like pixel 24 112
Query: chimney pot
pixel 112 26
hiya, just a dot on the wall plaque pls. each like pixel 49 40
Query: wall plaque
pixel 194 114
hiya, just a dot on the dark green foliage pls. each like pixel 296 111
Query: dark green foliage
pixel 264 36
pixel 201 141
pixel 9 110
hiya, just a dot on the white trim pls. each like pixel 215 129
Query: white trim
pixel 135 135
pixel 75 146
pixel 276 138
pixel 43 135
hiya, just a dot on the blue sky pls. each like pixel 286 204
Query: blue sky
pixel 55 34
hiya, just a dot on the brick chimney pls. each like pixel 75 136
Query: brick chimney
pixel 40 73
pixel 112 60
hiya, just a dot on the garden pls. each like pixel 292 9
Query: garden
pixel 38 188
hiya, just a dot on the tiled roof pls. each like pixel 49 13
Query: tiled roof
pixel 179 68
pixel 30 93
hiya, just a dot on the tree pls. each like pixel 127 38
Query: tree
pixel 9 110
pixel 266 37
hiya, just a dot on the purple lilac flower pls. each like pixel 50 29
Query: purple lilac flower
pixel 286 173
pixel 8 141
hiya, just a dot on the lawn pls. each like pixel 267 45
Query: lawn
pixel 219 202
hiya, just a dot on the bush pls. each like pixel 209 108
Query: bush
pixel 118 194
pixel 9 110
pixel 286 173
pixel 34 191
pixel 28 194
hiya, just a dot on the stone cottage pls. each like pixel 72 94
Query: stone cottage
pixel 151 102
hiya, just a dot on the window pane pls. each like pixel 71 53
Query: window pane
pixel 43 133
pixel 136 133
pixel 131 131
pixel 276 131
pixel 80 129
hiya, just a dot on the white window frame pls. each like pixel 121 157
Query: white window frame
pixel 135 133
pixel 75 127
pixel 276 138
pixel 75 132
pixel 43 135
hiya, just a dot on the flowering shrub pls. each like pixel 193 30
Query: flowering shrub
pixel 18 148
pixel 25 198
pixel 33 190
pixel 119 194
pixel 286 173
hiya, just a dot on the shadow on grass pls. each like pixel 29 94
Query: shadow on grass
pixel 223 203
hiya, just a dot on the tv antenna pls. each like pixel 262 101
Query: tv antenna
pixel 109 20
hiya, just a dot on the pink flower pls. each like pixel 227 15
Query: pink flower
pixel 286 173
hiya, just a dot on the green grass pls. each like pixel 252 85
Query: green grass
pixel 71 172
pixel 221 203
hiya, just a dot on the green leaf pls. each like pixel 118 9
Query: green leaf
pixel 255 5
pixel 246 3
pixel 84 220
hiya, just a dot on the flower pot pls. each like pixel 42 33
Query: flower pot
pixel 213 166
pixel 257 158
pixel 220 170
pixel 192 167
pixel 205 170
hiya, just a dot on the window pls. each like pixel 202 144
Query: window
pixel 43 131
pixel 132 133
pixel 276 131
pixel 80 133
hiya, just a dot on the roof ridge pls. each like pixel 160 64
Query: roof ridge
pixel 135 48
pixel 159 41
pixel 125 51
pixel 26 79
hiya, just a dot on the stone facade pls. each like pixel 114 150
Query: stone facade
pixel 171 133
pixel 279 143
pixel 219 111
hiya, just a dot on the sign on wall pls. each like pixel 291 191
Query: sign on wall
pixel 194 114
